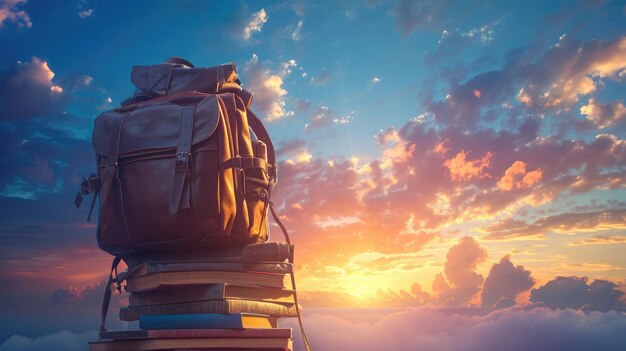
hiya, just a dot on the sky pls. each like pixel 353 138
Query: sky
pixel 452 173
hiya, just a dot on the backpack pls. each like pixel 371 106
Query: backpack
pixel 183 165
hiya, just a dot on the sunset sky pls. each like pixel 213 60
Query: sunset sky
pixel 454 163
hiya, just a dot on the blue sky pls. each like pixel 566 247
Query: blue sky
pixel 424 146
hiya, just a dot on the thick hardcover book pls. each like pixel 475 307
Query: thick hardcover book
pixel 190 343
pixel 206 321
pixel 210 292
pixel 164 279
pixel 219 306
pixel 156 267
pixel 255 253
pixel 196 333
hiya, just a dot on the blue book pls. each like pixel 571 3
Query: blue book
pixel 206 321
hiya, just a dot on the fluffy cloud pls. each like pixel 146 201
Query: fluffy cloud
pixel 462 169
pixel 432 328
pixel 10 12
pixel 442 329
pixel 577 293
pixel 505 281
pixel 550 80
pixel 570 70
pixel 269 94
pixel 254 25
pixel 516 177
pixel 604 115
pixel 461 283
pixel 63 340
pixel 27 83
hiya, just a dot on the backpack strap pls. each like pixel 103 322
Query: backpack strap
pixel 307 345
pixel 180 197
pixel 106 300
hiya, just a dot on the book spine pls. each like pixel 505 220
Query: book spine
pixel 186 294
pixel 266 267
pixel 191 321
pixel 224 306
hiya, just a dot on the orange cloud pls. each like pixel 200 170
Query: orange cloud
pixel 600 240
pixel 604 115
pixel 462 169
pixel 516 177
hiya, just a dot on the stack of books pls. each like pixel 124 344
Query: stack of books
pixel 230 303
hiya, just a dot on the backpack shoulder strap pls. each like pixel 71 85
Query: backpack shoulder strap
pixel 106 300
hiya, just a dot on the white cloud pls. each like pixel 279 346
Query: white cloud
pixel 452 329
pixel 85 13
pixel 255 24
pixel 296 33
pixel 269 94
pixel 374 80
pixel 62 340
pixel 485 33
pixel 10 12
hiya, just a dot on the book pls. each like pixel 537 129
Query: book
pixel 163 279
pixel 196 333
pixel 190 343
pixel 206 321
pixel 155 267
pixel 210 292
pixel 263 252
pixel 133 313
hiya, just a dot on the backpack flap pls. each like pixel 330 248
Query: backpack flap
pixel 167 79
pixel 156 127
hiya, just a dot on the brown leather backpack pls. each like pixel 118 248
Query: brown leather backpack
pixel 183 164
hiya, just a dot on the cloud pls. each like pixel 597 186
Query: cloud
pixel 577 293
pixel 10 12
pixel 562 223
pixel 27 83
pixel 85 13
pixel 62 340
pixel 459 282
pixel 484 33
pixel 269 94
pixel 254 25
pixel 599 240
pixel 516 177
pixel 505 282
pixel 462 169
pixel 373 81
pixel 447 329
pixel 571 69
pixel 296 35
pixel 89 294
pixel 387 136
pixel 604 115
pixel 550 80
